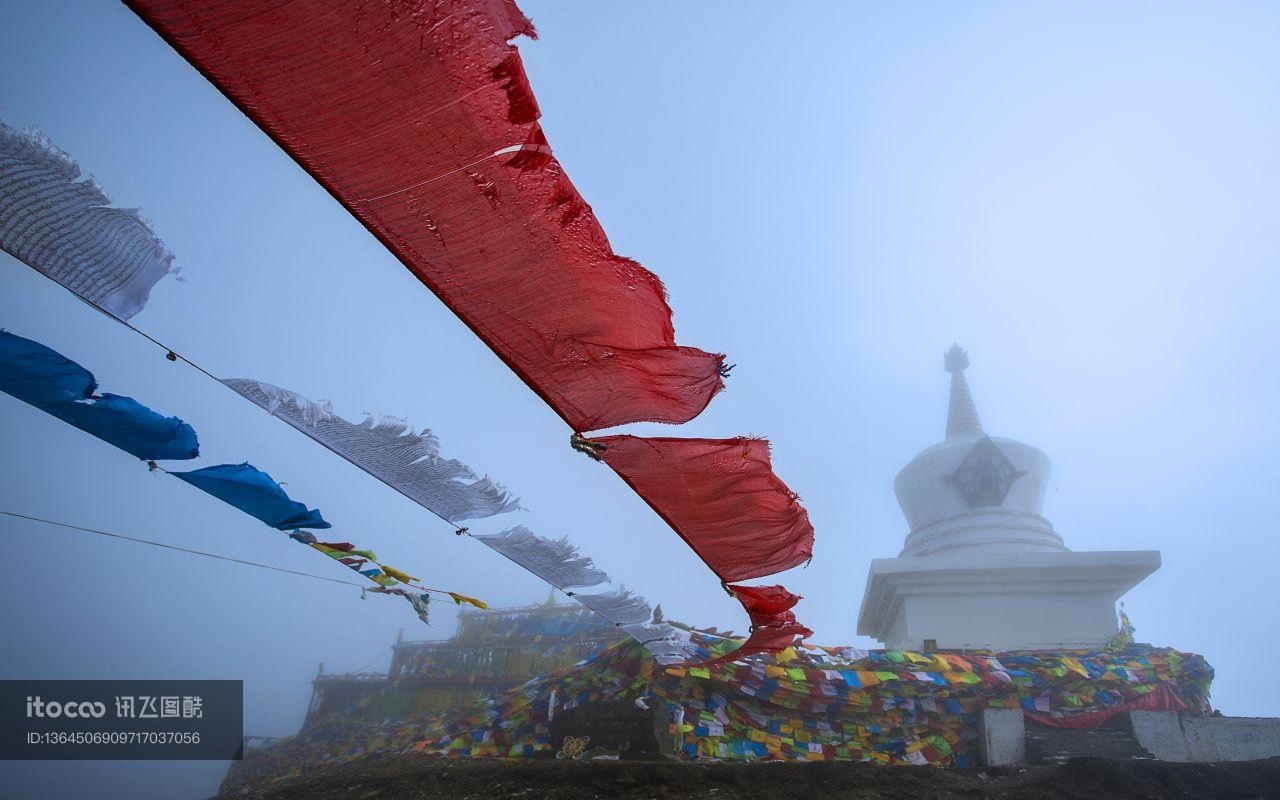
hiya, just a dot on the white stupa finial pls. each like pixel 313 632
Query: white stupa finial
pixel 962 416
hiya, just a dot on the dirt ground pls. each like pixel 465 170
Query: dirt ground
pixel 418 777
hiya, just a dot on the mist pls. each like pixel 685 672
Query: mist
pixel 1083 196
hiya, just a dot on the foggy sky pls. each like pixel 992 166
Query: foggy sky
pixel 1083 196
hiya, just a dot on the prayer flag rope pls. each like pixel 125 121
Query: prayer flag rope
pixel 54 383
pixel 59 386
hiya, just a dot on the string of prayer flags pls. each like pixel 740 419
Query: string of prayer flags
pixel 111 259
pixel 390 450
pixel 67 229
pixel 721 496
pixel 480 211
pixel 255 493
pixel 55 384
pixel 424 127
pixel 386 577
pixel 556 561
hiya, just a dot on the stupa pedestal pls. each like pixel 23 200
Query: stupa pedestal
pixel 1008 601
pixel 981 568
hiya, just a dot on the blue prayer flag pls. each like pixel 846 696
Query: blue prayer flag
pixel 58 386
pixel 255 493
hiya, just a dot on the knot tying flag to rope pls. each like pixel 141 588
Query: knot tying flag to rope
pixel 592 450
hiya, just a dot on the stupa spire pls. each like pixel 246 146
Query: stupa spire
pixel 962 416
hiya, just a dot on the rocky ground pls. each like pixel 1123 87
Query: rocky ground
pixel 418 777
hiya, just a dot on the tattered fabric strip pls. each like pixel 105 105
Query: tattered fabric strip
pixel 621 607
pixel 59 386
pixel 67 229
pixel 720 496
pixel 664 641
pixel 420 601
pixel 556 561
pixel 255 493
pixel 420 120
pixel 390 450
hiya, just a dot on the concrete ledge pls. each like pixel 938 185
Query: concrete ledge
pixel 1232 738
pixel 1170 736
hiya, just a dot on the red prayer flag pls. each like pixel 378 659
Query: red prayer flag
pixel 1163 698
pixel 418 117
pixel 766 605
pixel 772 639
pixel 721 497
pixel 773 624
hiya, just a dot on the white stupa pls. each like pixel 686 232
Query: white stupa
pixel 981 568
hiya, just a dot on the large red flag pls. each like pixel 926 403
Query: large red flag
pixel 721 496
pixel 417 116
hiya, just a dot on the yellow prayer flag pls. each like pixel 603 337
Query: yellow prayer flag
pixel 462 598
pixel 403 577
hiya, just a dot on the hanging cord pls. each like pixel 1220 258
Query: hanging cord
pixel 179 549
pixel 136 540
pixel 591 449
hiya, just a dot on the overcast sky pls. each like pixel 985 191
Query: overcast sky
pixel 1082 195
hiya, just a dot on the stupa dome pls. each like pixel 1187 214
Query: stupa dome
pixel 974 492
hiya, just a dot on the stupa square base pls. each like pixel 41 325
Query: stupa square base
pixel 1005 601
